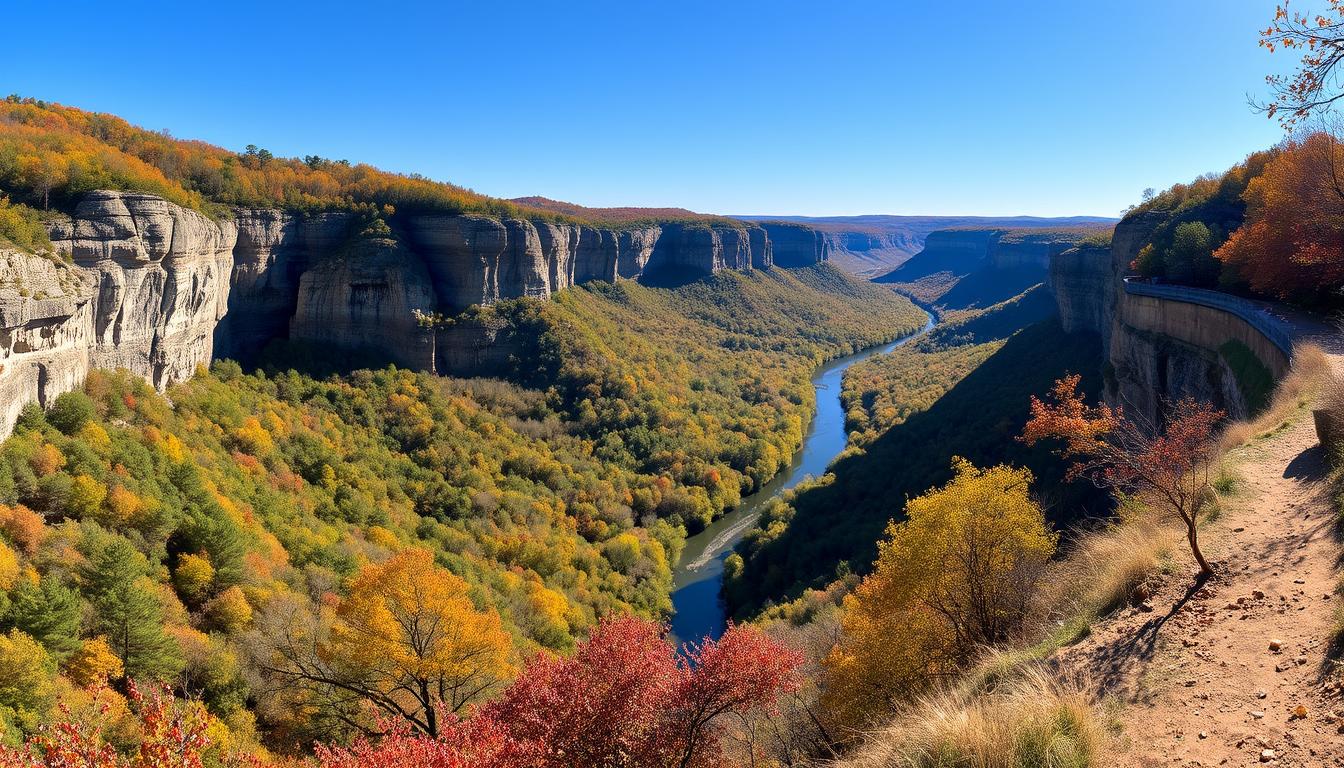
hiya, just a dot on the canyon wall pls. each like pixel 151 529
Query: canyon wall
pixel 796 245
pixel 964 251
pixel 139 283
pixel 1161 343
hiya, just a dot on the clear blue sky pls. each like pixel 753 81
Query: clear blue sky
pixel 771 107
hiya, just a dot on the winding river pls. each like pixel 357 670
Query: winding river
pixel 696 583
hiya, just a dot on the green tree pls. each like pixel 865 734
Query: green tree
pixel 1190 259
pixel 70 412
pixel 49 612
pixel 129 613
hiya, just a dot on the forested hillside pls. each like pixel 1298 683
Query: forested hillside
pixel 233 536
pixel 962 391
pixel 51 155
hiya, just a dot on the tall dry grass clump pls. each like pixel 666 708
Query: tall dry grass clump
pixel 1108 568
pixel 1311 366
pixel 1031 721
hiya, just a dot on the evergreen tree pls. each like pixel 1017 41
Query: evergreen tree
pixel 48 612
pixel 129 613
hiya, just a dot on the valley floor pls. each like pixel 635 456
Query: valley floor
pixel 1195 669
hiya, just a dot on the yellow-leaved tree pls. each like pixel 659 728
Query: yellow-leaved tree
pixel 954 576
pixel 407 639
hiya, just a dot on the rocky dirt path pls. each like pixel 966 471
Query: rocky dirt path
pixel 1236 672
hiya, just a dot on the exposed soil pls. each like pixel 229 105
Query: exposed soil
pixel 1194 668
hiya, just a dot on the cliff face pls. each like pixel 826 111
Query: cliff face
pixel 1026 249
pixel 795 245
pixel 869 254
pixel 1081 279
pixel 135 282
pixel 139 283
pixel 1157 350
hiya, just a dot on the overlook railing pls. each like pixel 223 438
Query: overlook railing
pixel 1259 316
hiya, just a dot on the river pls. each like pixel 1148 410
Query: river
pixel 698 577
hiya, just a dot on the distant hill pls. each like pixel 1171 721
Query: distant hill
pixel 875 244
pixel 972 266
pixel 622 215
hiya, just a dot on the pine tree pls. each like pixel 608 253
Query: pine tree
pixel 48 612
pixel 129 613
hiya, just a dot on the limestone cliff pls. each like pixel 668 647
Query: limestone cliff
pixel 137 282
pixel 1157 348
pixel 1081 279
pixel 796 245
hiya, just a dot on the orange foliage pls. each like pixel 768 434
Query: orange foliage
pixel 54 154
pixel 46 459
pixel 23 527
pixel 1313 86
pixel 1169 464
pixel 1292 244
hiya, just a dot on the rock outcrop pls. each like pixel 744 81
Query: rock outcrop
pixel 796 245
pixel 1081 279
pixel 1157 349
pixel 137 282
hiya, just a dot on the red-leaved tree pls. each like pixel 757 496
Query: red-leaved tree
pixel 173 735
pixel 1170 464
pixel 1314 86
pixel 623 700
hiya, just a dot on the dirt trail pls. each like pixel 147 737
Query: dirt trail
pixel 1201 685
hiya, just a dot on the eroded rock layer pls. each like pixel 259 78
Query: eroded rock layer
pixel 140 283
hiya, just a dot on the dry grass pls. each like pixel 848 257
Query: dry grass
pixel 1031 721
pixel 1106 568
pixel 1009 710
pixel 1310 368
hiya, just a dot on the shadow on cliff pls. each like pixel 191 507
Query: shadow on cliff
pixel 979 418
pixel 314 359
pixel 670 276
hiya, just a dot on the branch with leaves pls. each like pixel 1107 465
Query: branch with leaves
pixel 1314 86
pixel 1170 464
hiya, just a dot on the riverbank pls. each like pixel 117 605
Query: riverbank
pixel 698 577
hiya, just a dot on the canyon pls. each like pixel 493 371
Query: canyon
pixel 873 245
pixel 137 282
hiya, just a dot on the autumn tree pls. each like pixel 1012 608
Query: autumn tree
pixel 1314 86
pixel 1168 464
pixel 952 577
pixel 26 675
pixel 1292 243
pixel 625 699
pixel 172 734
pixel 407 639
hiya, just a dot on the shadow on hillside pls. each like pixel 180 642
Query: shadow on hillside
pixel 670 277
pixel 1032 306
pixel 979 419
pixel 1114 663
pixel 986 287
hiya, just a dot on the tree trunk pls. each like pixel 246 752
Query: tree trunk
pixel 1192 535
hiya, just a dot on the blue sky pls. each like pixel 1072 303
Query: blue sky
pixel 778 107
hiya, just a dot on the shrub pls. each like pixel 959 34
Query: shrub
pixel 70 411
pixel 21 227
